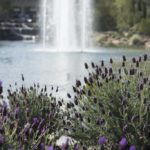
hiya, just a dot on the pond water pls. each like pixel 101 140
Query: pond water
pixel 50 68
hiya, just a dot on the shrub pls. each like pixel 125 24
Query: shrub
pixel 111 111
pixel 32 119
pixel 136 40
pixel 114 103
pixel 143 26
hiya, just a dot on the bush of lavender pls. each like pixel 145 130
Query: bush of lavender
pixel 31 120
pixel 113 106
pixel 111 110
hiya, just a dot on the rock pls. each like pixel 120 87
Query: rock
pixel 147 44
pixel 136 40
pixel 99 38
pixel 126 34
pixel 110 39
pixel 116 42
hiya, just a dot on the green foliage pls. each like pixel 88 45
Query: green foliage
pixel 105 15
pixel 144 26
pixel 5 7
pixel 125 14
pixel 121 14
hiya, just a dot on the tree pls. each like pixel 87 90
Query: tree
pixel 142 6
pixel 125 13
pixel 104 15
pixel 5 7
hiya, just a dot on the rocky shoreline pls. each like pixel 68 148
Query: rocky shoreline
pixel 13 31
pixel 125 39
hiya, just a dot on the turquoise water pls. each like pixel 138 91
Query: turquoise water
pixel 50 68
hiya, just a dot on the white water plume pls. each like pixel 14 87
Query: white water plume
pixel 66 24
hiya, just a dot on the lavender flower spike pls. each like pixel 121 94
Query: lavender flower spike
pixel 1 87
pixel 123 143
pixel 1 83
pixel 102 140
pixel 75 147
pixel 66 145
pixel 1 139
pixel 50 148
pixel 17 110
pixel 132 147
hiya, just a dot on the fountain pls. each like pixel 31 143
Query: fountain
pixel 66 24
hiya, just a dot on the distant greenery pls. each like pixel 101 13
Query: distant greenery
pixel 105 15
pixel 122 15
pixel 5 7
pixel 110 15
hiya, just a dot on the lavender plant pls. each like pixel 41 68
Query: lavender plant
pixel 31 120
pixel 113 105
pixel 110 111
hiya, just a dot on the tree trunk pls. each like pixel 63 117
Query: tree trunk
pixel 144 10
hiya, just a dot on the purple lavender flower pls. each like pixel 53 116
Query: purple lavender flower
pixel 4 108
pixel 98 122
pixel 20 148
pixel 86 65
pixel 42 146
pixel 102 140
pixel 1 87
pixel 1 139
pixel 123 142
pixel 124 58
pixel 42 130
pixel 75 147
pixel 63 146
pixel 132 147
pixel 1 83
pixel 35 120
pixel 145 57
pixel 66 145
pixel 50 148
pixel 17 110
pixel 111 60
pixel 41 124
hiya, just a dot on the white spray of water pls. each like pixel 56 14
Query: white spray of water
pixel 66 24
